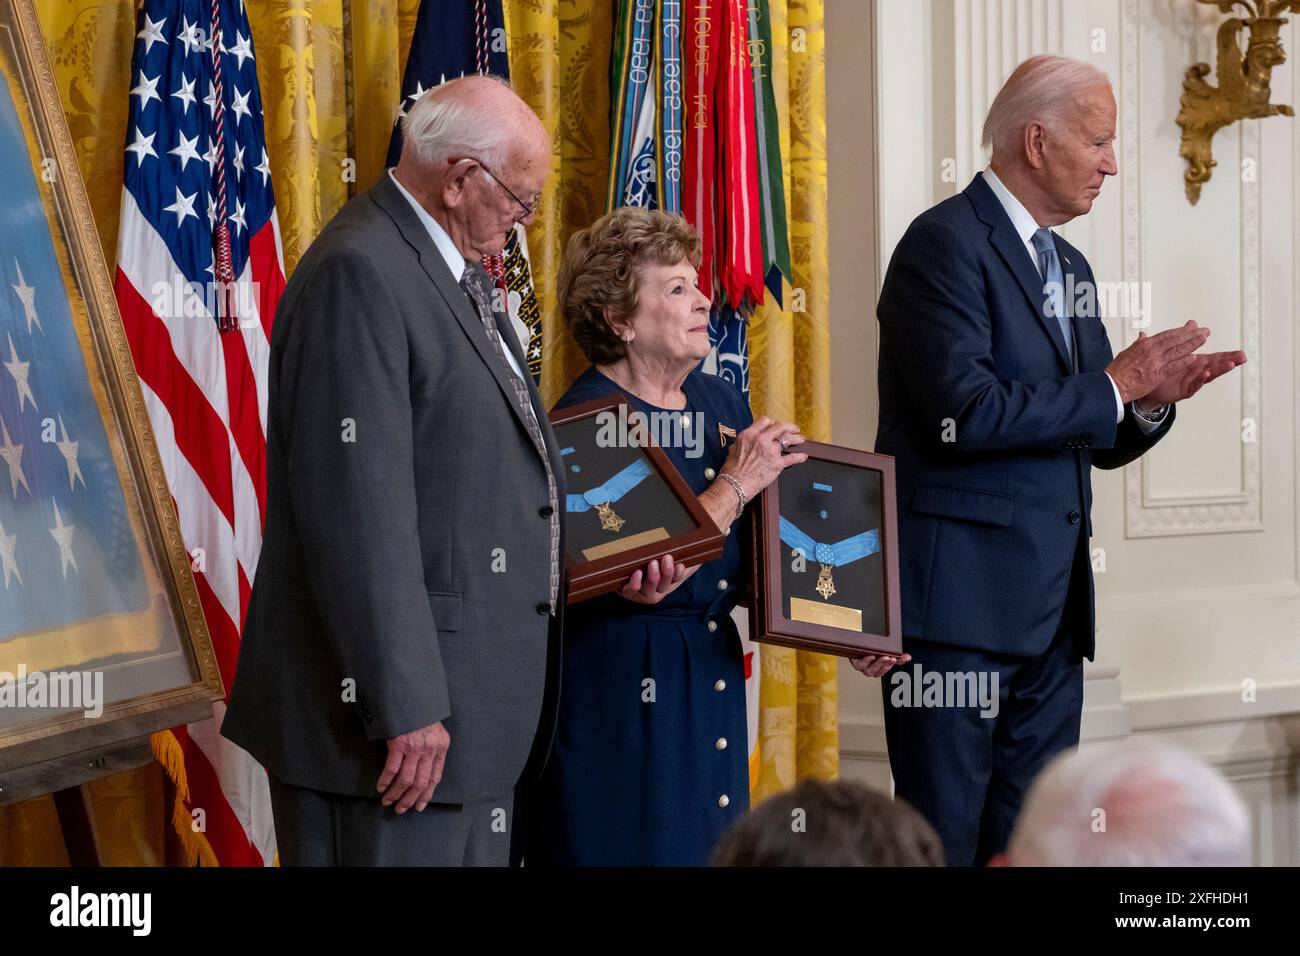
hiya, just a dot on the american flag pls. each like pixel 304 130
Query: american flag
pixel 198 211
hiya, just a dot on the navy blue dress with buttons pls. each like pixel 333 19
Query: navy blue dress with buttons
pixel 650 764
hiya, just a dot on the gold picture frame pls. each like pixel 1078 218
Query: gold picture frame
pixel 129 609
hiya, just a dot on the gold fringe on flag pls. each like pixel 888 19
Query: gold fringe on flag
pixel 195 849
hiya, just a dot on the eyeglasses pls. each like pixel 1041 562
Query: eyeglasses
pixel 528 208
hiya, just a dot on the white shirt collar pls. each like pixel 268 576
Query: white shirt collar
pixel 455 261
pixel 1021 219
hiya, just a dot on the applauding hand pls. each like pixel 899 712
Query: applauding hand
pixel 1152 359
pixel 1180 385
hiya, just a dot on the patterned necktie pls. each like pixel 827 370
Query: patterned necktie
pixel 1049 266
pixel 479 289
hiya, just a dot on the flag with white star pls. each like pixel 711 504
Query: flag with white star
pixel 455 38
pixel 199 274
pixel 67 551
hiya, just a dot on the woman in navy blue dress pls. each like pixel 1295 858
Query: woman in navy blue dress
pixel 650 762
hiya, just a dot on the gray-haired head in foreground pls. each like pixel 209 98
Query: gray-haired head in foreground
pixel 1043 89
pixel 479 116
pixel 1135 802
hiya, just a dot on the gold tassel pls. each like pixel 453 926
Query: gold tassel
pixel 194 845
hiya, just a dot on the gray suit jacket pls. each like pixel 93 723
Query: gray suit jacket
pixel 405 562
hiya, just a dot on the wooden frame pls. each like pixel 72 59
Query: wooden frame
pixel 769 622
pixel 142 630
pixel 704 542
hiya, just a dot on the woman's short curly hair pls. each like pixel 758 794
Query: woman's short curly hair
pixel 598 278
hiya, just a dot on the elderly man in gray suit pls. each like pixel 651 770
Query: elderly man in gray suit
pixel 396 650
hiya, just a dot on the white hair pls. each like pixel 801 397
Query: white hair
pixel 441 125
pixel 1135 802
pixel 1044 89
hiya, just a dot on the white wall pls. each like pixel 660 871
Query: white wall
pixel 1200 595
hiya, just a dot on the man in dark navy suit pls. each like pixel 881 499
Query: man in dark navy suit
pixel 998 393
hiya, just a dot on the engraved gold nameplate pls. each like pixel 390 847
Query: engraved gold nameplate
pixel 609 520
pixel 624 544
pixel 831 615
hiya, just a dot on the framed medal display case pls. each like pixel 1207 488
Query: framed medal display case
pixel 626 503
pixel 825 555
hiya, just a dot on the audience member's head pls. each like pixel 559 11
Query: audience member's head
pixel 836 823
pixel 1135 802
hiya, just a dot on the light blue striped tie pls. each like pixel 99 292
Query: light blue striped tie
pixel 1049 265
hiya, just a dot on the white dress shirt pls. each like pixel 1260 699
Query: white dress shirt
pixel 451 255
pixel 1025 225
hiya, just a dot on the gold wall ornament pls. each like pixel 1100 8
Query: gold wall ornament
pixel 1243 90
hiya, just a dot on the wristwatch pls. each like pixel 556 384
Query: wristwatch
pixel 1154 417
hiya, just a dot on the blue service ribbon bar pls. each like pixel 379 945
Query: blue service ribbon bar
pixel 612 490
pixel 836 555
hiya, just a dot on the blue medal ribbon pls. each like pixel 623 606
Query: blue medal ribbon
pixel 612 490
pixel 836 555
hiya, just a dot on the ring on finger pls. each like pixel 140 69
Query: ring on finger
pixel 785 447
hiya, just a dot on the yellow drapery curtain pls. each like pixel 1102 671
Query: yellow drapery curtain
pixel 330 74
pixel 789 356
